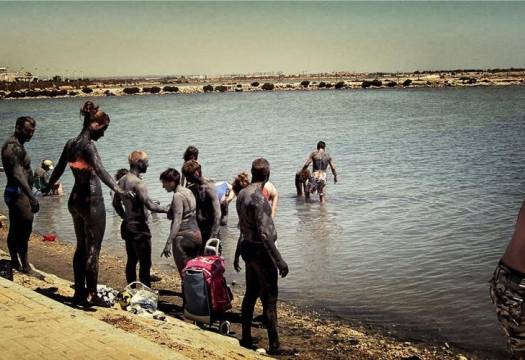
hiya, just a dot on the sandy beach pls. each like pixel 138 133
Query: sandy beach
pixel 313 335
pixel 246 83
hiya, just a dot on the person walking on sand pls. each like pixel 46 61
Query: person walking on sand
pixel 507 289
pixel 262 259
pixel 184 241
pixel 134 228
pixel 208 206
pixel 18 194
pixel 320 159
pixel 86 203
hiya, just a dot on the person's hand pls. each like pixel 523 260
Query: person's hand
pixel 335 179
pixel 283 269
pixel 169 213
pixel 46 190
pixel 236 265
pixel 167 250
pixel 35 206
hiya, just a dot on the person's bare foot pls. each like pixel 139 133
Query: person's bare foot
pixel 282 350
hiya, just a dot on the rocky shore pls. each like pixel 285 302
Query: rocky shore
pixel 314 82
pixel 311 334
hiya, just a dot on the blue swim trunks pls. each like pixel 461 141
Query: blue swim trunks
pixel 10 193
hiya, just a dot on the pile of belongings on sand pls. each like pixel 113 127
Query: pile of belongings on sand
pixel 140 299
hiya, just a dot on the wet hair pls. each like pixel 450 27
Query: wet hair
pixel 170 174
pixel 121 173
pixel 260 170
pixel 87 110
pixel 304 174
pixel 321 145
pixel 20 122
pixel 136 156
pixel 191 153
pixel 99 120
pixel 240 182
pixel 190 167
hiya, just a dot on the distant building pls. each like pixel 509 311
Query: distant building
pixel 15 76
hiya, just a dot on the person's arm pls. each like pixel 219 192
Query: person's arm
pixel 332 167
pixel 216 206
pixel 308 162
pixel 142 193
pixel 58 170
pixel 177 207
pixel 118 206
pixel 237 254
pixel 267 233
pixel 275 199
pixel 95 161
pixel 14 154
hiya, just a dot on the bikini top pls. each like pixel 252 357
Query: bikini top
pixel 80 164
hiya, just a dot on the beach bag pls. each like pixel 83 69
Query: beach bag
pixel 212 269
pixel 196 300
pixel 143 296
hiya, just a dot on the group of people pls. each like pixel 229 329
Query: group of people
pixel 198 208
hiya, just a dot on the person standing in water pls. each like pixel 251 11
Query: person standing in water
pixel 320 159
pixel 208 206
pixel 191 153
pixel 507 289
pixel 86 203
pixel 134 228
pixel 184 241
pixel 18 195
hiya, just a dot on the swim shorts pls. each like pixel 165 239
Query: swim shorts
pixel 507 291
pixel 10 193
pixel 317 182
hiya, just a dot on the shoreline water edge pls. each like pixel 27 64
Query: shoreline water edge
pixel 318 82
pixel 312 334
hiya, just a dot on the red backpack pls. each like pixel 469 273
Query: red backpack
pixel 212 268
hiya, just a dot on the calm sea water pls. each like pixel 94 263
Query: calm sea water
pixel 430 184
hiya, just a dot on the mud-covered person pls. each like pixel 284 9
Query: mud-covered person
pixel 184 240
pixel 320 160
pixel 208 206
pixel 262 259
pixel 301 182
pixel 134 228
pixel 18 195
pixel 86 203
pixel 507 289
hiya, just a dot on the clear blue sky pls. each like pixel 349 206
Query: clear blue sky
pixel 140 38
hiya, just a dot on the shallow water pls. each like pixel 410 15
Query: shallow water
pixel 430 184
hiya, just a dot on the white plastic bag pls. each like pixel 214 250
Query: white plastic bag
pixel 143 296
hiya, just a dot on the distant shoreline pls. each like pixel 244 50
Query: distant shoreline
pixel 90 88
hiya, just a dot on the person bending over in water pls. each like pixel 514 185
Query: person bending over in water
pixel 134 228
pixel 191 153
pixel 86 203
pixel 18 195
pixel 42 174
pixel 261 257
pixel 208 207
pixel 507 289
pixel 301 182
pixel 185 239
pixel 225 196
pixel 320 160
